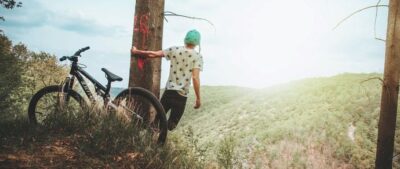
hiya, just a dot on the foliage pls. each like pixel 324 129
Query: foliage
pixel 9 4
pixel 303 123
pixel 23 73
pixel 10 72
pixel 226 153
pixel 191 141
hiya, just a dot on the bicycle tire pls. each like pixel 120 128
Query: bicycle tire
pixel 33 104
pixel 160 120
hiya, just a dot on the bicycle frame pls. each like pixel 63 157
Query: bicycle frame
pixel 79 73
pixel 101 90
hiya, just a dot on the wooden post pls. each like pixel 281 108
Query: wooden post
pixel 147 35
pixel 390 90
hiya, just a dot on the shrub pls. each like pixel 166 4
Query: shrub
pixel 226 153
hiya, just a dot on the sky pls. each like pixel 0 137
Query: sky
pixel 253 43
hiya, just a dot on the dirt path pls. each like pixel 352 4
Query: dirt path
pixel 58 153
pixel 53 154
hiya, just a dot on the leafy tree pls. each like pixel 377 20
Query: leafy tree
pixel 10 72
pixel 9 4
pixel 22 74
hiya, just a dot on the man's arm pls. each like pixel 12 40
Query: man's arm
pixel 150 54
pixel 196 86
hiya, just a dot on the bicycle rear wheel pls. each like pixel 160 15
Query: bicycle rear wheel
pixel 51 100
pixel 145 112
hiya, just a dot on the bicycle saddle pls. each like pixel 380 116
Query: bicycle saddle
pixel 111 76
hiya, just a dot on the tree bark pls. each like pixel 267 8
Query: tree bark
pixel 390 90
pixel 147 35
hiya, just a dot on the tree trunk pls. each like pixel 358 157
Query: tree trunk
pixel 390 90
pixel 147 35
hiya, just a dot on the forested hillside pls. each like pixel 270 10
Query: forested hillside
pixel 313 123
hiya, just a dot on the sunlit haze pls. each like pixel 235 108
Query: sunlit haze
pixel 255 43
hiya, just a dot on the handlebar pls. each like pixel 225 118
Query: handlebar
pixel 77 53
pixel 75 56
pixel 63 58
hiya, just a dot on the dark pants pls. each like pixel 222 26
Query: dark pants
pixel 172 100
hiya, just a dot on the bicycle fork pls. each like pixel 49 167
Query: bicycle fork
pixel 63 95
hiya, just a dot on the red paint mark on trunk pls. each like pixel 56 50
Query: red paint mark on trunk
pixel 141 27
pixel 144 29
pixel 140 63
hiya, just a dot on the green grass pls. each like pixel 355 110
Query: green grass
pixel 71 141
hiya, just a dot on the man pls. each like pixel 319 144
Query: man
pixel 186 64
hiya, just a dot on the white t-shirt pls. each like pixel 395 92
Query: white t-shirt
pixel 183 61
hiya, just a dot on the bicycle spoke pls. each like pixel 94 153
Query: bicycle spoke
pixel 55 103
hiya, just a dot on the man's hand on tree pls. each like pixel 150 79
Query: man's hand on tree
pixel 136 53
pixel 133 50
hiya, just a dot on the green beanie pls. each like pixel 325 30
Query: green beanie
pixel 192 37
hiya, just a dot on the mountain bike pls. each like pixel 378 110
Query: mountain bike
pixel 140 106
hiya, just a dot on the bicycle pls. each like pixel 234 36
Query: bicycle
pixel 145 110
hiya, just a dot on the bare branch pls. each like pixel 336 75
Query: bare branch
pixel 383 40
pixel 376 18
pixel 360 10
pixel 372 78
pixel 168 13
pixel 364 89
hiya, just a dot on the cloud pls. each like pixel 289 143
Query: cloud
pixel 34 15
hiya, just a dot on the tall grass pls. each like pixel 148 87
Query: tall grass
pixel 109 141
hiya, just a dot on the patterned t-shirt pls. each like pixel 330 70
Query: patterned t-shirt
pixel 183 61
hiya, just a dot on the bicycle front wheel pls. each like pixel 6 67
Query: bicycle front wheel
pixel 145 112
pixel 51 100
